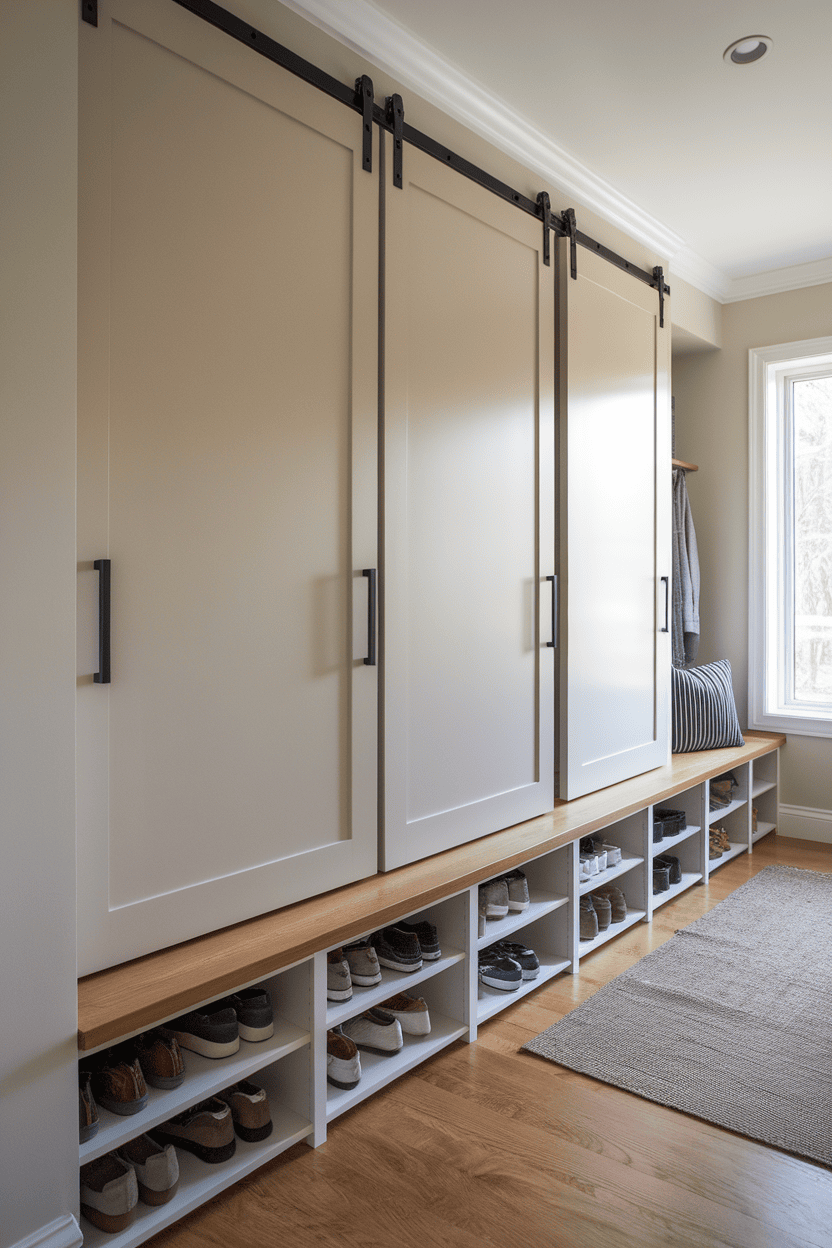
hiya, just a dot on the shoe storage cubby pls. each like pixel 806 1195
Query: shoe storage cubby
pixel 545 926
pixel 283 1065
pixel 631 837
pixel 765 781
pixel 292 1064
pixel 735 818
pixel 441 982
pixel 688 845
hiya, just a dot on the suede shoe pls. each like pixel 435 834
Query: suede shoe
pixel 603 910
pixel 160 1058
pixel 617 900
pixel 118 1083
pixel 588 919
pixel 156 1168
pixel 88 1122
pixel 362 960
pixel 412 1013
pixel 212 1030
pixel 338 981
pixel 109 1193
pixel 206 1130
pixel 343 1065
pixel 250 1112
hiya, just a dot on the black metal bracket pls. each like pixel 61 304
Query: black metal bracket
pixel 546 213
pixel 102 567
pixel 571 224
pixel 89 12
pixel 395 117
pixel 658 274
pixel 364 95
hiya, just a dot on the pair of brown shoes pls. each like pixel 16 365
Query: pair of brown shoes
pixel 118 1078
pixel 207 1130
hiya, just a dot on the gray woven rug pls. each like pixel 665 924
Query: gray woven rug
pixel 729 1020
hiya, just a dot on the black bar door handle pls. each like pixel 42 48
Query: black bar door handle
pixel 102 567
pixel 553 643
pixel 666 628
pixel 370 573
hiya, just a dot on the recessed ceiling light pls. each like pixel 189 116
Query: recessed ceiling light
pixel 746 50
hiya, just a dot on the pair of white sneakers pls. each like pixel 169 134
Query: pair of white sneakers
pixel 599 860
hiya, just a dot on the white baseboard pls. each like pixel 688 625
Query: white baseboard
pixel 62 1233
pixel 805 823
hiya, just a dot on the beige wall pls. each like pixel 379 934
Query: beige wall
pixel 711 391
pixel 38 1135
pixel 697 319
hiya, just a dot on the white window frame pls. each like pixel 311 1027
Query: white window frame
pixel 770 571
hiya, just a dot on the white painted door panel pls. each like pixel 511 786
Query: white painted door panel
pixel 469 462
pixel 615 517
pixel 227 467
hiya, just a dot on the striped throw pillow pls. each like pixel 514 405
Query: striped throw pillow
pixel 704 711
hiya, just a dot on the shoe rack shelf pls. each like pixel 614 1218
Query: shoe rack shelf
pixel 607 876
pixel 198 1182
pixel 379 1069
pixel 291 1065
pixel 282 1064
pixel 204 1077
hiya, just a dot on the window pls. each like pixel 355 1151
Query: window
pixel 790 584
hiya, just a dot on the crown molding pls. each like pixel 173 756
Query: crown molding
pixel 775 281
pixel 370 33
pixel 699 272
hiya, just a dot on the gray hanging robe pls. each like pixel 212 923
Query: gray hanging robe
pixel 685 623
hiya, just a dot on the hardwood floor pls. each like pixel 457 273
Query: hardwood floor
pixel 485 1145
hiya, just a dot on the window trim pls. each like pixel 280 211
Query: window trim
pixel 767 567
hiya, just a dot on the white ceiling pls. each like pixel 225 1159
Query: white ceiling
pixel 629 105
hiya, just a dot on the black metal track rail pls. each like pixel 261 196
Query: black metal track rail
pixel 355 98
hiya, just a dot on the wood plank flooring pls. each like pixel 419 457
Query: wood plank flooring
pixel 485 1145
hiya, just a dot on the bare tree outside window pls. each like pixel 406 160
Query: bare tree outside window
pixel 812 430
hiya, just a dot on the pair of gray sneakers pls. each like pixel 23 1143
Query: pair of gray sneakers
pixel 506 894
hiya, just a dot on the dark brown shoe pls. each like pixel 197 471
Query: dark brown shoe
pixel 160 1058
pixel 250 1112
pixel 87 1109
pixel 206 1130
pixel 118 1083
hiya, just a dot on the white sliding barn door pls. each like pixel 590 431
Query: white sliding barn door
pixel 228 469
pixel 468 676
pixel 615 508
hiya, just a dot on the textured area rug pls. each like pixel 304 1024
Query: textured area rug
pixel 729 1020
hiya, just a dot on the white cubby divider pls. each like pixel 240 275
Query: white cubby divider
pixel 291 1065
